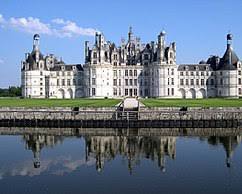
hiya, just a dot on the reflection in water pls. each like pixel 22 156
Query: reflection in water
pixel 229 143
pixel 132 148
pixel 37 142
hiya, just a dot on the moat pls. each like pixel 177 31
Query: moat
pixel 40 160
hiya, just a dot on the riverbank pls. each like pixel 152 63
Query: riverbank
pixel 89 102
pixel 113 118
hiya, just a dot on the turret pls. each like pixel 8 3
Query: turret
pixel 36 39
pixel 86 51
pixel 161 46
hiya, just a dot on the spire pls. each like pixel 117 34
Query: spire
pixel 36 39
pixel 130 34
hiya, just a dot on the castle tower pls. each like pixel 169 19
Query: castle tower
pixel 161 46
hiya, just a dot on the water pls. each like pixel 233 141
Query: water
pixel 34 162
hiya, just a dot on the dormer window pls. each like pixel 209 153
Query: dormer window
pixel 187 68
pixel 146 57
pixel 63 68
pixel 94 55
pixel 197 68
pixel 74 67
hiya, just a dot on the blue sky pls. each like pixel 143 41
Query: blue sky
pixel 199 27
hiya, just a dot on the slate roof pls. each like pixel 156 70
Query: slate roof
pixel 67 67
pixel 193 67
pixel 229 60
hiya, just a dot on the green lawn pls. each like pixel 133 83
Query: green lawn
pixel 83 102
pixel 211 102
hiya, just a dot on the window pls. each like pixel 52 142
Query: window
pixel 192 82
pixel 119 72
pixel 172 91
pixel 115 82
pixel 181 82
pixel 146 57
pixel 58 82
pixel 68 73
pixel 187 82
pixel 197 73
pixel 202 82
pixel 68 82
pixel 168 81
pixel 79 82
pixel 63 73
pixel 239 72
pixel 74 82
pixel 41 73
pixel 115 57
pixel 202 73
pixel 239 81
pixel 135 92
pixel 119 82
pixel 94 62
pixel 221 81
pixel 172 81
pixel 115 91
pixel 93 71
pixel 130 73
pixel 93 91
pixel 93 81
pixel 192 73
pixel 168 91
pixel 186 73
pixel 63 82
pixel 126 82
pixel 57 73
pixel 130 82
pixel 240 92
pixel 41 84
pixel 181 73
pixel 212 81
pixel 114 73
pixel 94 55
pixel 135 72
pixel 41 79
pixel 172 71
pixel 115 63
pixel 135 82
pixel 126 91
pixel 197 81
pixel 126 72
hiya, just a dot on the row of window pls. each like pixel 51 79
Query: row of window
pixel 68 82
pixel 192 82
pixel 192 73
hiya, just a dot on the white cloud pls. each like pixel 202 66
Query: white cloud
pixel 1 61
pixel 30 25
pixel 58 21
pixel 58 27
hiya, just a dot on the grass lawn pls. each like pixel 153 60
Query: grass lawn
pixel 82 102
pixel 210 102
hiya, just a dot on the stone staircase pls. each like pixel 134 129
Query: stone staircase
pixel 128 109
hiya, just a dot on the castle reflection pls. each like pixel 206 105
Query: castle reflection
pixel 132 148
pixel 37 142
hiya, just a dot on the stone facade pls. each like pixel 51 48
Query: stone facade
pixel 131 69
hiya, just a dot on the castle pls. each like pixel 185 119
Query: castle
pixel 131 69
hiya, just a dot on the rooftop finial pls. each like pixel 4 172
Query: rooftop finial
pixel 130 33
pixel 36 42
